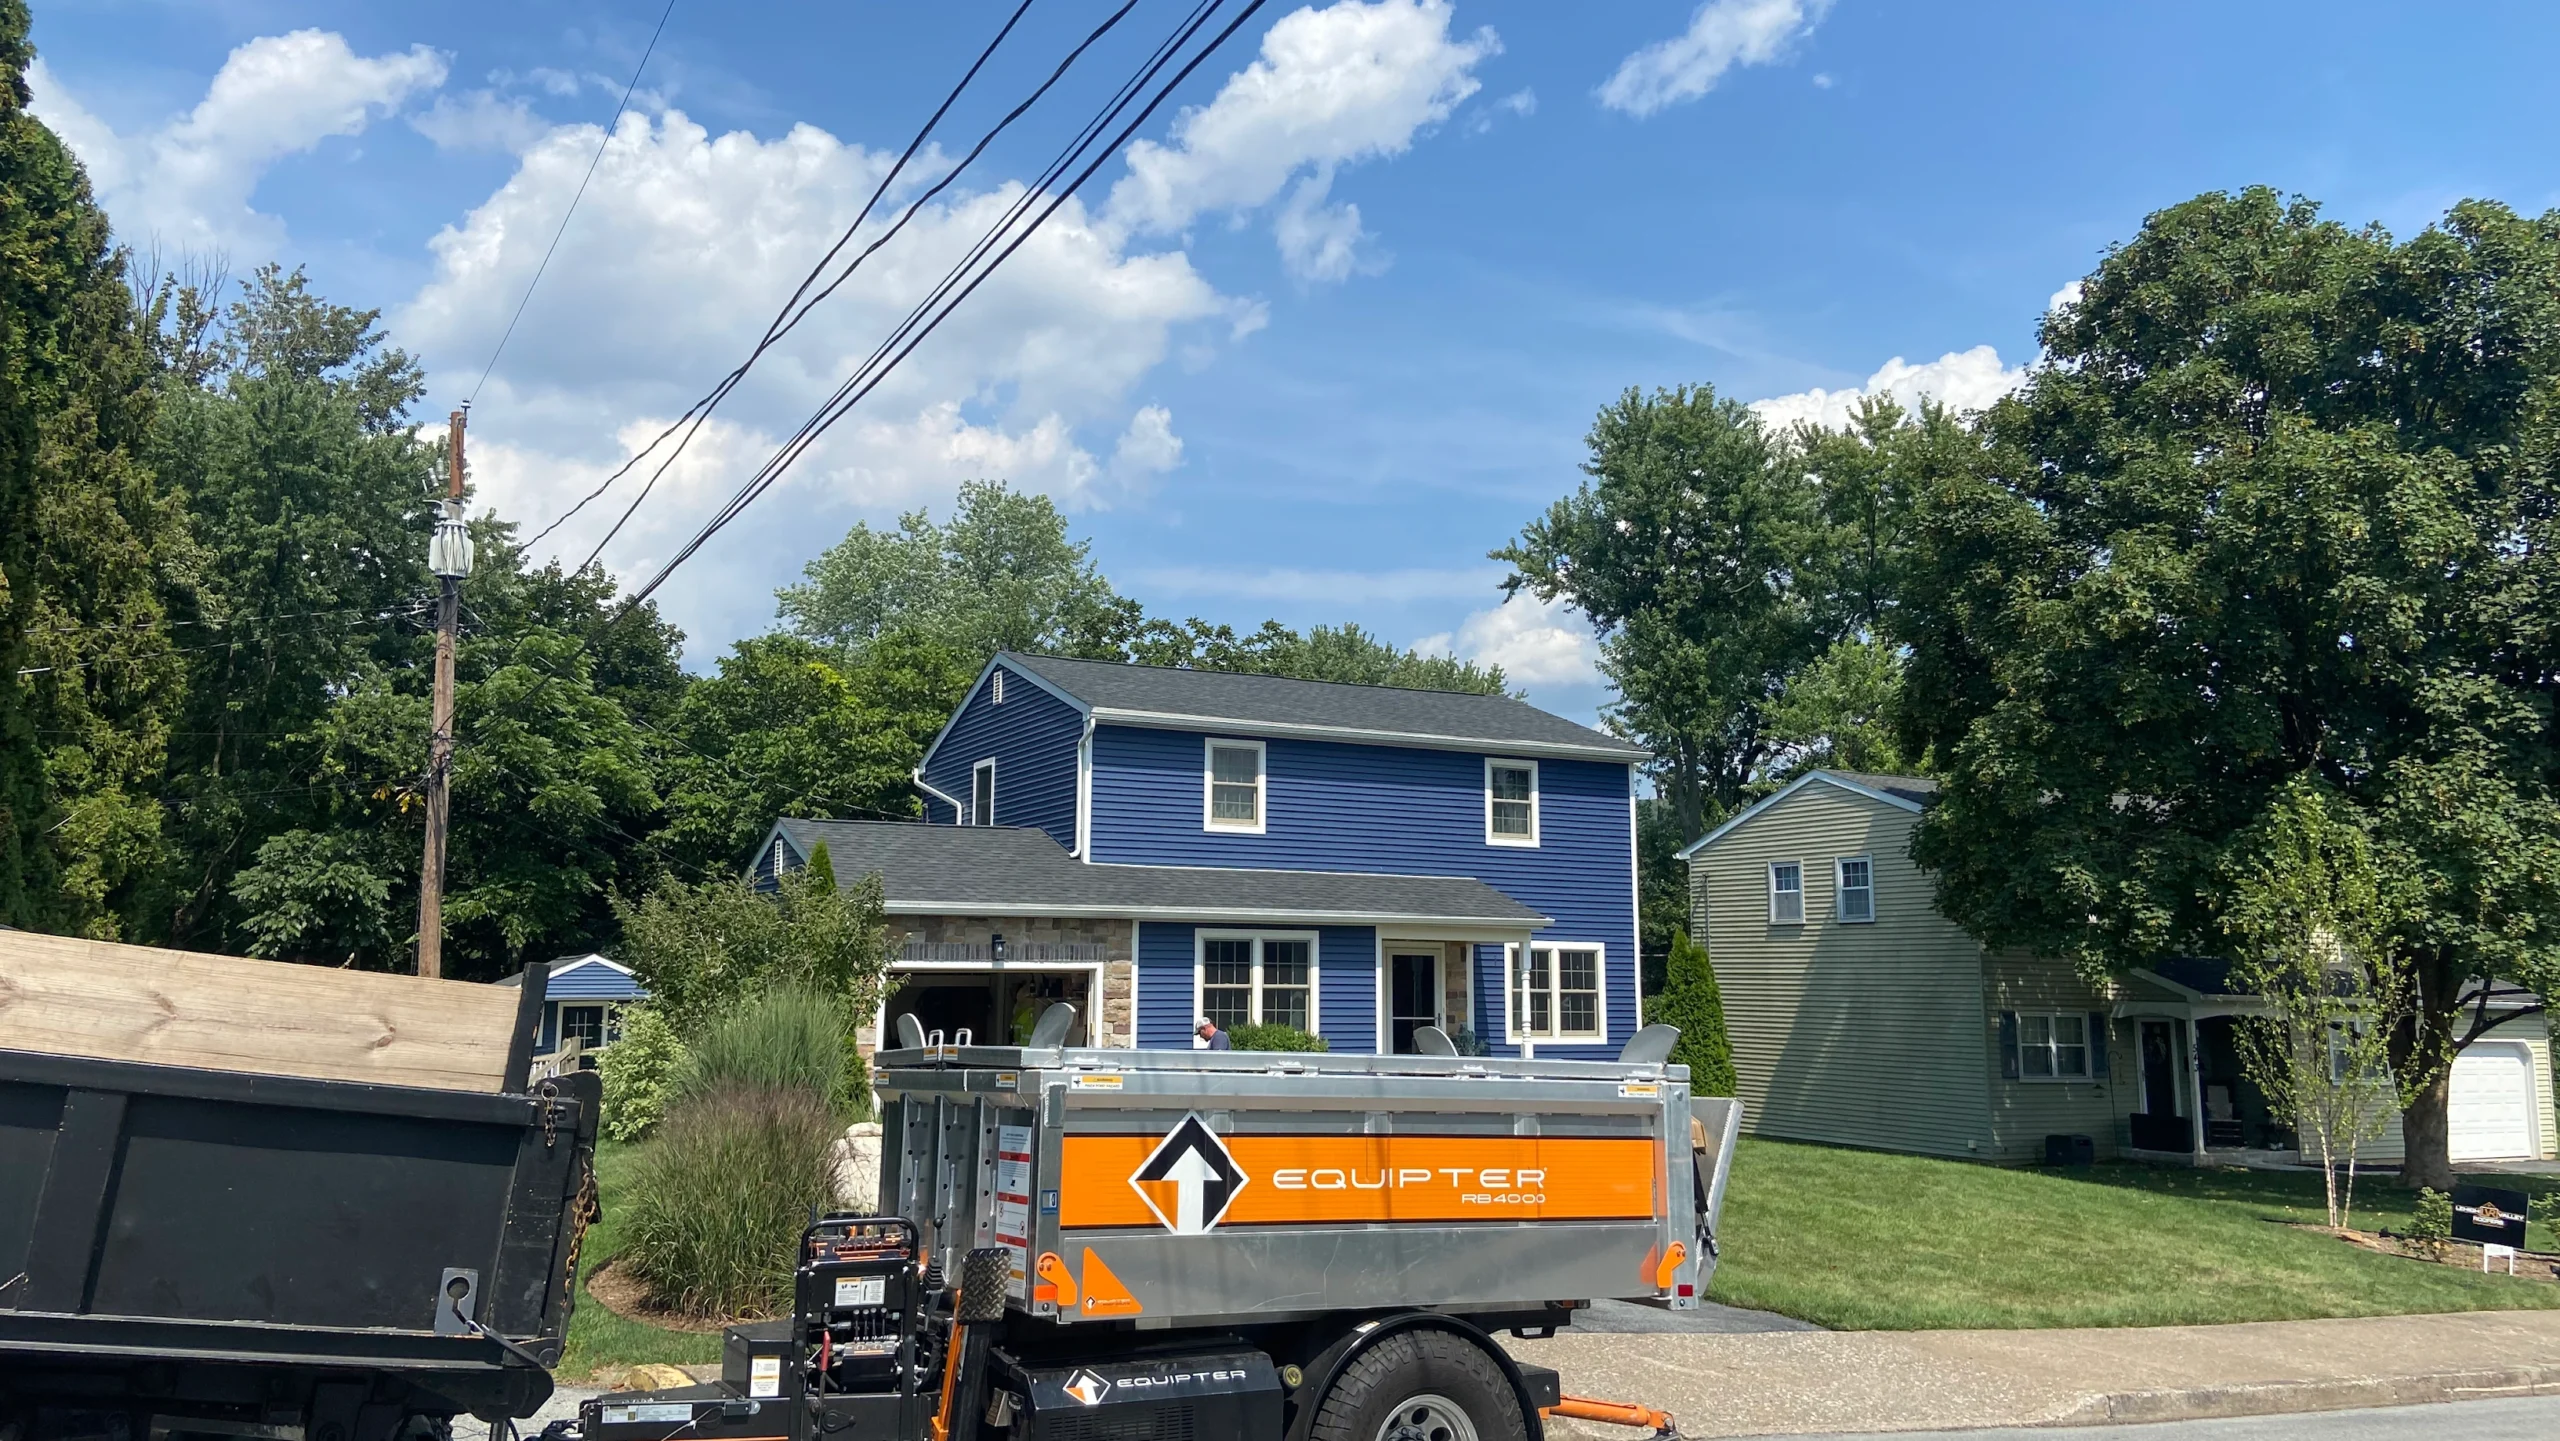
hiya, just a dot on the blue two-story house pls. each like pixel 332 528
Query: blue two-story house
pixel 1160 844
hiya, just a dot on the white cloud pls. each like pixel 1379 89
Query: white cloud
pixel 1519 102
pixel 1723 34
pixel 188 183
pixel 1351 82
pixel 1537 644
pixel 1962 379
pixel 2067 295
pixel 1148 447
pixel 479 120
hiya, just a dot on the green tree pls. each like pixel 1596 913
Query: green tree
pixel 1692 1001
pixel 1837 710
pixel 2281 503
pixel 1345 654
pixel 1696 549
pixel 1003 575
pixel 87 683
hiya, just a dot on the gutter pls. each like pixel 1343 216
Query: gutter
pixel 959 812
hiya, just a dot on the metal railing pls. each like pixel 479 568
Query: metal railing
pixel 1015 952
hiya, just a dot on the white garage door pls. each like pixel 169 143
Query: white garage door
pixel 2492 1103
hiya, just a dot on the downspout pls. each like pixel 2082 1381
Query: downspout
pixel 959 812
pixel 1084 792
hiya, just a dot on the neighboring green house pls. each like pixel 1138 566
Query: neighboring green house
pixel 1861 1017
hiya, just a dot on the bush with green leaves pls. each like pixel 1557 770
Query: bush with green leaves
pixel 1275 1038
pixel 1692 1001
pixel 2431 1221
pixel 786 1038
pixel 704 949
pixel 719 1198
pixel 639 1072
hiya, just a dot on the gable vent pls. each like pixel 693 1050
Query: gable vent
pixel 998 693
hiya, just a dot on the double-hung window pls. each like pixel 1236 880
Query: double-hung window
pixel 2053 1047
pixel 582 1024
pixel 1555 994
pixel 1786 893
pixel 982 793
pixel 1855 886
pixel 1232 786
pixel 1258 981
pixel 1511 803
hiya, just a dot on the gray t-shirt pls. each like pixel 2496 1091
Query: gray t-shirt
pixel 1218 1041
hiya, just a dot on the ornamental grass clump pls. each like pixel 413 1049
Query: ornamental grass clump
pixel 786 1038
pixel 720 1197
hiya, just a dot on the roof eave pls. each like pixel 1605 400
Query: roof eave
pixel 1791 787
pixel 1491 927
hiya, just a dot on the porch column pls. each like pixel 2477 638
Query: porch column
pixel 1528 1047
pixel 2195 1090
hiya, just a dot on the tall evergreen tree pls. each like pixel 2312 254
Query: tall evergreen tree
pixel 87 677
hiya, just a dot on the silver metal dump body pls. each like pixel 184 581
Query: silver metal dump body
pixel 1183 1188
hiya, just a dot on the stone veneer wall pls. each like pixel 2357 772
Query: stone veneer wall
pixel 1116 1025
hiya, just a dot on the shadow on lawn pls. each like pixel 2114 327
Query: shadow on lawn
pixel 2294 1194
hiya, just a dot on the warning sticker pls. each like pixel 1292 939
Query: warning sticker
pixel 861 1290
pixel 651 1414
pixel 1099 1081
pixel 764 1376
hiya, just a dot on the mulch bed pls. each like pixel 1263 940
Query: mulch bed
pixel 622 1293
pixel 2538 1265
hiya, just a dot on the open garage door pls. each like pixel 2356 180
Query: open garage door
pixel 2492 1102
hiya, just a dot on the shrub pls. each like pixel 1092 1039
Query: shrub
pixel 1466 1042
pixel 639 1072
pixel 1275 1038
pixel 700 948
pixel 718 1200
pixel 1691 1000
pixel 786 1038
pixel 2431 1221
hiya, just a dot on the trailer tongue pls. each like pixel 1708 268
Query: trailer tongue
pixel 1108 1245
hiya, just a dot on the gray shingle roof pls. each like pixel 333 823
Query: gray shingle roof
pixel 1010 870
pixel 1915 789
pixel 1311 706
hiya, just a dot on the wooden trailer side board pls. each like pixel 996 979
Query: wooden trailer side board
pixel 74 997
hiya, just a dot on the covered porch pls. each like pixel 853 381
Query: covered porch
pixel 2190 1102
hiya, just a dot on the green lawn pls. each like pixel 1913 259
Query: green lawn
pixel 1868 1241
pixel 597 1337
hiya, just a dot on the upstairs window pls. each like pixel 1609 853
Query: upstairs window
pixel 982 793
pixel 1786 893
pixel 1555 993
pixel 1857 889
pixel 1511 803
pixel 1232 786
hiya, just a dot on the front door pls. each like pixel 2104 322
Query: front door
pixel 1413 998
pixel 2158 1126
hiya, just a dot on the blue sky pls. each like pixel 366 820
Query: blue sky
pixel 1337 332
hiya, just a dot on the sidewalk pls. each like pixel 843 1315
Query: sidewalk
pixel 1799 1382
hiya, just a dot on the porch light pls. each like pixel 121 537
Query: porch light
pixel 995 947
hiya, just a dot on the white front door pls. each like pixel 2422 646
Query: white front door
pixel 2492 1102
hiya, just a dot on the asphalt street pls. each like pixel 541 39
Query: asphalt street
pixel 2532 1418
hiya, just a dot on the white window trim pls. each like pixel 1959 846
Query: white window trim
pixel 1511 1032
pixel 2088 1043
pixel 1529 841
pixel 1200 970
pixel 1209 821
pixel 1840 891
pixel 1774 918
pixel 986 768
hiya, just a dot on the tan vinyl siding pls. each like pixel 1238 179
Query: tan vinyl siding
pixel 1853 1034
pixel 2023 1111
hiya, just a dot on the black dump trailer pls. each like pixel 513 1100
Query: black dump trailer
pixel 204 1253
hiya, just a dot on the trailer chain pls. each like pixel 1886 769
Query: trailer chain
pixel 549 1094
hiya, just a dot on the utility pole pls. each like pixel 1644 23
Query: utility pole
pixel 449 557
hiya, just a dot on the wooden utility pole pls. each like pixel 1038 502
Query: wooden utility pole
pixel 449 556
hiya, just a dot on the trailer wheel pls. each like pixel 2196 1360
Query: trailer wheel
pixel 1421 1386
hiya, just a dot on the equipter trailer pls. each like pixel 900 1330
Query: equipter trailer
pixel 1111 1245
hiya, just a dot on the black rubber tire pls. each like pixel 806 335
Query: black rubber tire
pixel 1415 1363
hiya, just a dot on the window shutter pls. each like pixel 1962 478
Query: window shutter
pixel 2008 1045
pixel 2099 1036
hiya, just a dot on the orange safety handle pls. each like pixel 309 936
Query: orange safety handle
pixel 1670 1266
pixel 1616 1413
pixel 950 1372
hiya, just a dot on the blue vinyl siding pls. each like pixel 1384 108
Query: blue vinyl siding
pixel 593 982
pixel 1389 809
pixel 1346 986
pixel 1347 998
pixel 1032 737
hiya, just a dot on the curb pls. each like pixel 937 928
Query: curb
pixel 2341 1394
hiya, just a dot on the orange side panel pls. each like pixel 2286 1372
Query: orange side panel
pixel 1316 1179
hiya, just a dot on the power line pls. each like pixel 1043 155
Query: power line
pixel 592 163
pixel 918 326
pixel 700 413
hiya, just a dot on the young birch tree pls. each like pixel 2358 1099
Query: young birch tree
pixel 2308 923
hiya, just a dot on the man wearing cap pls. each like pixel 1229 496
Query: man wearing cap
pixel 1215 1039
